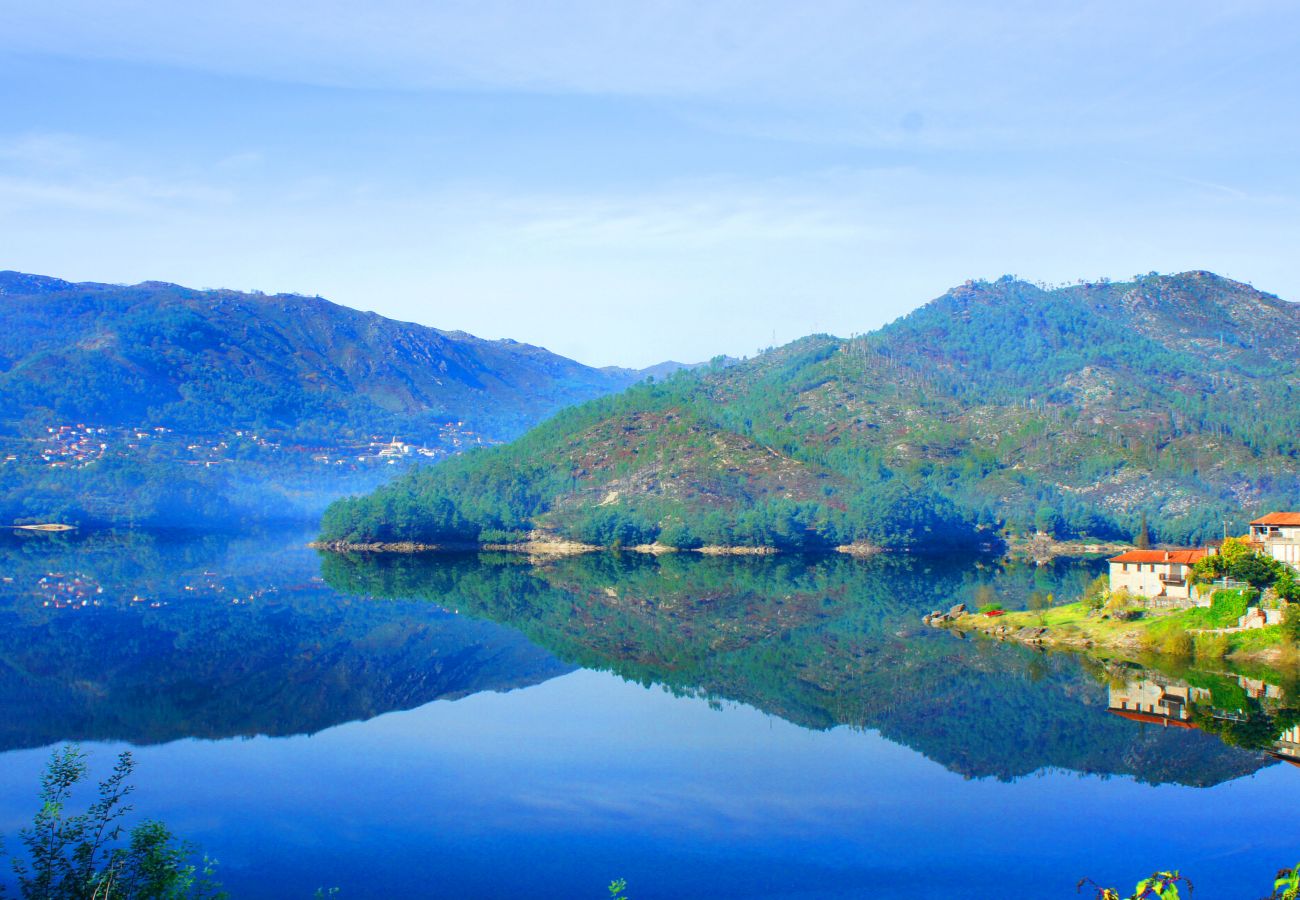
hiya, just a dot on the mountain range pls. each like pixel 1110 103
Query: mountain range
pixel 1000 406
pixel 157 404
pixel 161 354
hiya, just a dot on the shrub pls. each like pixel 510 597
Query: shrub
pixel 82 855
pixel 1094 598
pixel 1211 646
pixel 1178 643
pixel 1291 622
pixel 1288 586
pixel 1119 600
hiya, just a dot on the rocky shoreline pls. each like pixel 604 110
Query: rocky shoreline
pixel 548 546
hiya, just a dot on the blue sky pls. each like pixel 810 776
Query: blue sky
pixel 630 182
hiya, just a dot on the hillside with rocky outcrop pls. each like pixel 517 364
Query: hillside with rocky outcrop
pixel 1002 404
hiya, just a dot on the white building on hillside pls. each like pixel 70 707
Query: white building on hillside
pixel 1278 535
pixel 1160 575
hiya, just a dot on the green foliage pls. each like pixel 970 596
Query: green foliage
pixel 1238 560
pixel 1162 885
pixel 1094 597
pixel 1287 585
pixel 81 856
pixel 1286 886
pixel 1177 643
pixel 1211 646
pixel 618 889
pixel 1227 608
pixel 1291 622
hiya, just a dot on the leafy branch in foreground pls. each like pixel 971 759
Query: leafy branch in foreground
pixel 1286 886
pixel 82 856
pixel 1164 886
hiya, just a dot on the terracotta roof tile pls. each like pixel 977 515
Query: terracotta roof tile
pixel 1148 717
pixel 1278 518
pixel 1185 557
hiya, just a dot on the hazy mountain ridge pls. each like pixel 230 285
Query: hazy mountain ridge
pixel 156 404
pixel 1073 410
pixel 149 353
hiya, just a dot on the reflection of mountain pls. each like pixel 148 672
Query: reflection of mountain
pixel 820 643
pixel 150 641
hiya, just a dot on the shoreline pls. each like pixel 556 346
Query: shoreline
pixel 1042 548
pixel 561 547
pixel 1107 638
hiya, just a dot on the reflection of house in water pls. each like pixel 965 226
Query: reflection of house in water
pixel 1171 703
pixel 1147 700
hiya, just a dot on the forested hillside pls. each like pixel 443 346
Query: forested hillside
pixel 1000 405
pixel 155 404
pixel 208 361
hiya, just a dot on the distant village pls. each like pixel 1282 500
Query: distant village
pixel 73 446
pixel 1164 577
pixel 76 591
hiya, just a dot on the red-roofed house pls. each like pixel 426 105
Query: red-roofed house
pixel 1278 535
pixel 1155 574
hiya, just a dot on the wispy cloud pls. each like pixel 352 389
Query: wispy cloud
pixel 992 73
pixel 46 150
pixel 49 172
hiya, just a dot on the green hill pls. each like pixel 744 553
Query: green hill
pixel 158 404
pixel 1000 404
pixel 204 361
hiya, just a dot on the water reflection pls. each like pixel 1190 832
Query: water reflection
pixel 822 643
pixel 1243 711
pixel 150 639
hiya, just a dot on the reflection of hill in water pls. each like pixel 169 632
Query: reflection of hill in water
pixel 226 638
pixel 237 637
pixel 821 643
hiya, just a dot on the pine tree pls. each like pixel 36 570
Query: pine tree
pixel 1143 540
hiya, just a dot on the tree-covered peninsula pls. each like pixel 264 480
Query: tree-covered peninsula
pixel 1000 406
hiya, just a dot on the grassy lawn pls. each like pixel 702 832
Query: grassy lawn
pixel 1155 626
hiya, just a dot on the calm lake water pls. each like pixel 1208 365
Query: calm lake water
pixel 484 726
